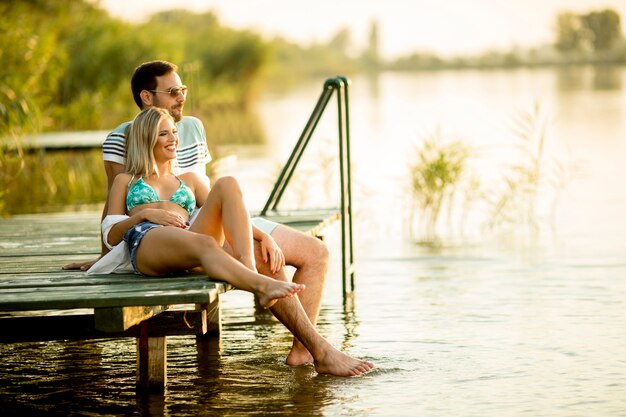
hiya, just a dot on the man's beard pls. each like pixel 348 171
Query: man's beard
pixel 177 113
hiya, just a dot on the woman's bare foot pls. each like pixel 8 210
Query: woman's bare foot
pixel 337 363
pixel 275 290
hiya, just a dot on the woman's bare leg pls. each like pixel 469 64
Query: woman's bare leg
pixel 224 216
pixel 167 249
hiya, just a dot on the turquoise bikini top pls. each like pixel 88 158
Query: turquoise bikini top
pixel 142 193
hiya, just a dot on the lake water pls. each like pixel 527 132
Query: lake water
pixel 510 321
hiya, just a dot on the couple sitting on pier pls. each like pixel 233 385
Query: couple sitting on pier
pixel 140 159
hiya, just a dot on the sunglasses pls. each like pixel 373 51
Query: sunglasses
pixel 173 91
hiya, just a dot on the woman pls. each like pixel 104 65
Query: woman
pixel 156 230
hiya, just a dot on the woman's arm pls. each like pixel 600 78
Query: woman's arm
pixel 269 249
pixel 117 206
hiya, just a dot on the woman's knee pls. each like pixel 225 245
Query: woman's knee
pixel 227 183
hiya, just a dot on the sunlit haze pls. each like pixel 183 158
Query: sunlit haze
pixel 445 27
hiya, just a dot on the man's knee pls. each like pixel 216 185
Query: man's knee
pixel 322 249
pixel 300 249
pixel 317 251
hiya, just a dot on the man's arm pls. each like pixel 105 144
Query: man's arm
pixel 111 169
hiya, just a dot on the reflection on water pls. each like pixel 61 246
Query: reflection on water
pixel 601 77
pixel 465 331
pixel 492 325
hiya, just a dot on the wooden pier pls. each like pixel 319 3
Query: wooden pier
pixel 39 301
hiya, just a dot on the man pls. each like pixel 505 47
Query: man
pixel 157 83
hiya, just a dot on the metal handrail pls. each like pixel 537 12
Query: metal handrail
pixel 340 85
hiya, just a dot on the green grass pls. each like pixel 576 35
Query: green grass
pixel 40 181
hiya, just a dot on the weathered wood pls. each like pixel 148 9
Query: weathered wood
pixel 40 328
pixel 67 234
pixel 56 304
pixel 151 360
pixel 119 319
pixel 113 291
pixel 211 318
pixel 312 222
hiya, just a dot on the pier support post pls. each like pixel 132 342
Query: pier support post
pixel 151 360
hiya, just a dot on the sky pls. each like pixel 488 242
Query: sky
pixel 445 27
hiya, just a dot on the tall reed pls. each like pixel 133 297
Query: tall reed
pixel 435 174
pixel 516 202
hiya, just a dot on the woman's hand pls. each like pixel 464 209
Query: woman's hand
pixel 272 253
pixel 163 217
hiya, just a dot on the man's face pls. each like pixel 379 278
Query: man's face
pixel 172 103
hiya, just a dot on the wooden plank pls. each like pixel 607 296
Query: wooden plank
pixel 98 296
pixel 312 222
pixel 120 319
pixel 82 326
pixel 90 139
pixel 60 224
pixel 79 278
pixel 28 253
pixel 34 235
pixel 46 263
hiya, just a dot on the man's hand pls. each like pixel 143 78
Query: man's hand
pixel 83 266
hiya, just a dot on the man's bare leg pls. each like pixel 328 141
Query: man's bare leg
pixel 308 343
pixel 309 256
pixel 326 358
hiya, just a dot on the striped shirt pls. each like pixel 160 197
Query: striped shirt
pixel 192 153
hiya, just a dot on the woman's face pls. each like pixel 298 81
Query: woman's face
pixel 167 141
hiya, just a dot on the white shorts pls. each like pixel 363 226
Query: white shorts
pixel 267 226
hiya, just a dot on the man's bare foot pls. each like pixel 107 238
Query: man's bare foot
pixel 275 290
pixel 338 363
pixel 298 356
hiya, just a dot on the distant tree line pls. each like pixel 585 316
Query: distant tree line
pixel 66 64
pixel 597 31
pixel 588 38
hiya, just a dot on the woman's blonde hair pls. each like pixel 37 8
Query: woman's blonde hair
pixel 141 139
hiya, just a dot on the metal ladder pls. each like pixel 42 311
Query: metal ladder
pixel 338 84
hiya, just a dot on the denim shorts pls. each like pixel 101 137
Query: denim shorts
pixel 133 237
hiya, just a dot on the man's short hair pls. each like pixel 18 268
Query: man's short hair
pixel 144 77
